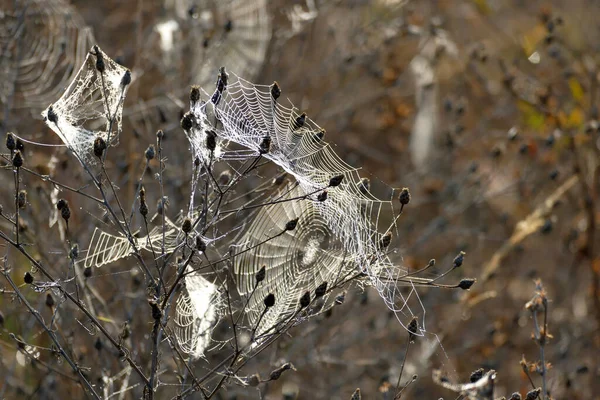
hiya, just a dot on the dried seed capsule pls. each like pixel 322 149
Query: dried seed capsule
pixel 385 240
pixel 49 300
pixel 160 135
pixel 99 147
pixel 276 374
pixel 412 328
pixel 17 160
pixel 515 396
pixel 356 395
pixel 187 121
pixel 11 143
pixel 143 208
pixel 465 284
pixel 336 180
pixel 20 145
pixel 269 300
pixel 305 300
pixel 211 140
pixel 319 136
pixel 194 94
pixel 533 394
pixel 28 278
pixel 52 117
pixel 126 79
pixel 275 90
pixel 404 197
pixel 458 260
pixel 186 227
pixel 322 196
pixel 476 375
pixel 100 66
pixel 321 290
pixel 291 225
pixel 65 211
pixel 156 313
pixel 150 152
pixel 261 274
pixel 265 145
pixel 22 199
pixel 299 123
pixel 253 380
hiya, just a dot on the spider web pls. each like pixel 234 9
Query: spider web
pixel 351 218
pixel 91 106
pixel 42 42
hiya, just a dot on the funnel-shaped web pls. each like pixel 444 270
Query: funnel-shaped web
pixel 349 223
pixel 91 106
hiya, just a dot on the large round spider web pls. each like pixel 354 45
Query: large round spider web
pixel 91 106
pixel 41 42
pixel 246 115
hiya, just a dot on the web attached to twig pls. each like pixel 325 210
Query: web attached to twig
pixel 197 312
pixel 350 219
pixel 91 106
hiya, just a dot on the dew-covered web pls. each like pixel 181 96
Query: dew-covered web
pixel 42 42
pixel 91 106
pixel 348 225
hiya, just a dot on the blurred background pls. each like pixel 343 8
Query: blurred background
pixel 486 110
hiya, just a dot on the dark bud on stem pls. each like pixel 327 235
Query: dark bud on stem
pixel 126 79
pixel 194 94
pixel 65 211
pixel 200 244
pixel 476 375
pixel 321 290
pixel 458 260
pixel 276 374
pixel 17 160
pixel 356 395
pixel 187 121
pixel 291 225
pixel 211 140
pixel 269 300
pixel 319 136
pixel 186 227
pixel 61 204
pixel 28 278
pixel 156 313
pixel 52 117
pixel 11 143
pixel 143 208
pixel 100 66
pixel 99 147
pixel 336 180
pixel 265 145
pixel 515 396
pixel 299 123
pixel 385 240
pixel 305 300
pixel 465 284
pixel 261 274
pixel 533 394
pixel 150 152
pixel 253 380
pixel 22 199
pixel 49 300
pixel 74 252
pixel 160 135
pixel 275 90
pixel 404 197
pixel 412 328
pixel 322 196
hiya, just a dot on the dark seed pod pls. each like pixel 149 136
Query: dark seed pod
pixel 150 152
pixel 291 225
pixel 322 196
pixel 74 252
pixel 186 227
pixel 265 145
pixel 321 290
pixel 275 90
pixel 200 244
pixel 126 79
pixel 17 160
pixel 20 145
pixel 211 140
pixel 458 260
pixel 404 197
pixel 22 199
pixel 100 66
pixel 276 374
pixel 261 274
pixel 99 147
pixel 412 328
pixel 299 123
pixel 253 380
pixel 533 394
pixel 156 313
pixel 319 136
pixel 65 211
pixel 28 278
pixel 187 121
pixel 61 204
pixel 465 284
pixel 160 135
pixel 11 143
pixel 305 300
pixel 143 208
pixel 385 240
pixel 194 94
pixel 269 300
pixel 336 180
pixel 476 375
pixel 515 396
pixel 356 395
pixel 87 272
pixel 49 300
pixel 52 117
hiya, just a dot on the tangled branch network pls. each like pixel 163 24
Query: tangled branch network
pixel 338 233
